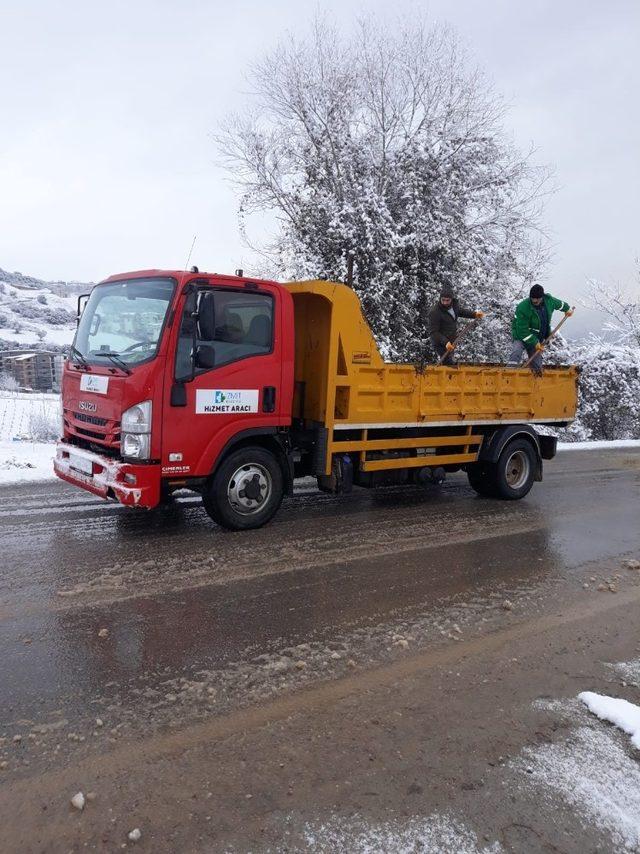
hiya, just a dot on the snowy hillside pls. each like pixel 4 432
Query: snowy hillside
pixel 35 312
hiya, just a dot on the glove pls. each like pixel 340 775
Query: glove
pixel 449 346
pixel 568 313
pixel 539 347
pixel 479 314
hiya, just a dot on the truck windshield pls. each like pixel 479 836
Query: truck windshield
pixel 123 319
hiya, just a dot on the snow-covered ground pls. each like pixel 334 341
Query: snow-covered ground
pixel 594 770
pixel 437 834
pixel 25 461
pixel 599 445
pixel 26 420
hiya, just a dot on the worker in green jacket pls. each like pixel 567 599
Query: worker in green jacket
pixel 531 326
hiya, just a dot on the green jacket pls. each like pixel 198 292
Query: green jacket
pixel 525 325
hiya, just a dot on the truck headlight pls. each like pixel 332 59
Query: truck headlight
pixel 135 431
pixel 137 419
pixel 136 445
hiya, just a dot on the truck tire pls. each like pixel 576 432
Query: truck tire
pixel 482 478
pixel 246 490
pixel 515 470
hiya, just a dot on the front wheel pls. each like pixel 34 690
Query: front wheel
pixel 246 491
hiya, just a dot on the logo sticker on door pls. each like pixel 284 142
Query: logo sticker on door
pixel 226 401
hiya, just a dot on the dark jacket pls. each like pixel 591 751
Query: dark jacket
pixel 443 327
pixel 525 325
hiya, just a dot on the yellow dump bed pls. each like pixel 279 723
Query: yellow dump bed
pixel 343 383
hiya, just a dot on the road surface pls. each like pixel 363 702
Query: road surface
pixel 374 672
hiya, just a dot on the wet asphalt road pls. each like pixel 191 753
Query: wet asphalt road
pixel 177 595
pixel 119 626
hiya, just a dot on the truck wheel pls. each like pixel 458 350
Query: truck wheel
pixel 246 491
pixel 482 478
pixel 515 470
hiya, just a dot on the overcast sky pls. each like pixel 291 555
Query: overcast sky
pixel 106 160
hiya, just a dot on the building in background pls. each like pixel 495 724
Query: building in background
pixel 39 370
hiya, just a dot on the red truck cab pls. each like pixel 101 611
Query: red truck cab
pixel 173 374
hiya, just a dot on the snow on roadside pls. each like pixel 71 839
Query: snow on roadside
pixel 437 834
pixel 592 773
pixel 25 461
pixel 622 713
pixel 601 445
pixel 629 670
pixel 24 418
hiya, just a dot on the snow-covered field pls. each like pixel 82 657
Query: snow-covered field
pixel 26 420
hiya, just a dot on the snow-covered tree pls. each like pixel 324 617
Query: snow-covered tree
pixel 389 145
pixel 621 305
pixel 609 391
pixel 8 382
pixel 609 382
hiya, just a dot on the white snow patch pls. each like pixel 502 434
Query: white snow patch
pixel 26 461
pixel 594 775
pixel 437 834
pixel 24 418
pixel 600 445
pixel 629 670
pixel 78 801
pixel 622 713
pixel 21 414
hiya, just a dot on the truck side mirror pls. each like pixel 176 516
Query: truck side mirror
pixel 83 299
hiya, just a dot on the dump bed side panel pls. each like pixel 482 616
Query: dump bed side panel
pixel 343 382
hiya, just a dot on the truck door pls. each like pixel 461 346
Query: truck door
pixel 227 374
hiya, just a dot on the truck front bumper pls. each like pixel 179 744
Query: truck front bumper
pixel 130 484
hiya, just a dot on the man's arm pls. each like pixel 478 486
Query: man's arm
pixel 559 305
pixel 466 312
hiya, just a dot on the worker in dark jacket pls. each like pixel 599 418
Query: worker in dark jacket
pixel 443 323
pixel 531 326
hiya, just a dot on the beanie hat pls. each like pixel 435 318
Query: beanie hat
pixel 536 292
pixel 447 291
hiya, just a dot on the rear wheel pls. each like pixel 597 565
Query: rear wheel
pixel 482 478
pixel 246 491
pixel 515 470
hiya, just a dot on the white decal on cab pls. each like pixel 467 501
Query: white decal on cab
pixel 94 383
pixel 226 401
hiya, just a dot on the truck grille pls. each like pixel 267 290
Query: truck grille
pixel 91 430
pixel 90 419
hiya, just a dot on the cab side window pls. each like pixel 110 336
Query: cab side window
pixel 229 325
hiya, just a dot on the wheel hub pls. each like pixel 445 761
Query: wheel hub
pixel 249 488
pixel 517 469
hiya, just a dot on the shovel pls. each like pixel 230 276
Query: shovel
pixel 460 335
pixel 549 337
